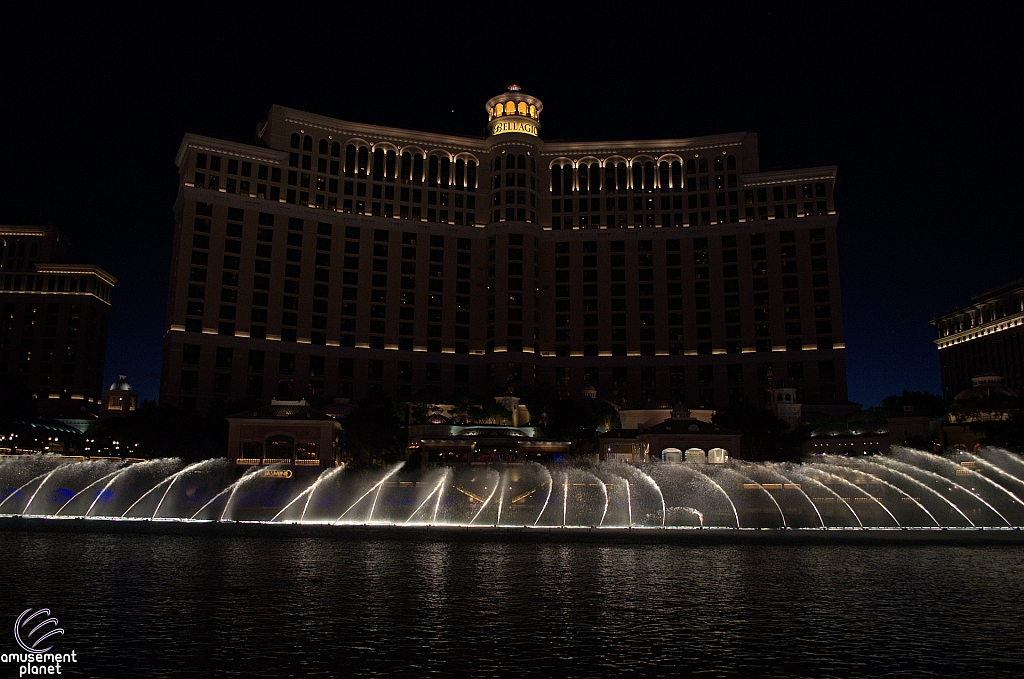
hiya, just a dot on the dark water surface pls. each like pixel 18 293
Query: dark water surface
pixel 138 605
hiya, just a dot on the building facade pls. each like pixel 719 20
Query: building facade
pixel 53 319
pixel 985 337
pixel 334 258
pixel 288 433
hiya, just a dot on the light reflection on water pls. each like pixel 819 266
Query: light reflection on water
pixel 161 606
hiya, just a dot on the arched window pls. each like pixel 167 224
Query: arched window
pixel 460 173
pixel 510 162
pixel 295 140
pixel 568 185
pixel 417 169
pixel 510 107
pixel 621 177
pixel 522 108
pixel 638 176
pixel 718 163
pixel 378 165
pixel 595 178
pixel 471 175
pixel 389 165
pixel 446 170
pixel 364 161
pixel 406 167
pixel 498 110
pixel 533 111
pixel 584 179
pixel 609 178
pixel 677 175
pixel 663 179
pixel 350 160
pixel 556 180
pixel 335 149
pixel 323 147
pixel 703 163
pixel 307 143
pixel 695 455
pixel 648 176
pixel 730 162
pixel 432 171
pixel 521 160
pixel 280 447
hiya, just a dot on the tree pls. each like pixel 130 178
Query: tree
pixel 580 420
pixel 539 398
pixel 1008 433
pixel 920 402
pixel 166 431
pixel 16 401
pixel 489 413
pixel 374 432
pixel 763 433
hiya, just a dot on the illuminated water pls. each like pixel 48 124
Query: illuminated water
pixel 139 604
pixel 909 489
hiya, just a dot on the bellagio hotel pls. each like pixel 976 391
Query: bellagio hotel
pixel 334 258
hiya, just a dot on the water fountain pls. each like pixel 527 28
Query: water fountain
pixel 906 489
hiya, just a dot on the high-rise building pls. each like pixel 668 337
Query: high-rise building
pixel 53 319
pixel 334 258
pixel 984 338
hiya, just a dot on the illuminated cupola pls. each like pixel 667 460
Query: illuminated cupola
pixel 119 399
pixel 514 112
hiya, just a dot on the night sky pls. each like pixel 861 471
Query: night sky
pixel 915 109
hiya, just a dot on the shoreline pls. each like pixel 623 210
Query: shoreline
pixel 612 536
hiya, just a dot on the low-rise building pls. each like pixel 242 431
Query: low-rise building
pixel 284 433
pixel 439 442
pixel 680 438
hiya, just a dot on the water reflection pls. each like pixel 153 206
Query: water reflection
pixel 262 607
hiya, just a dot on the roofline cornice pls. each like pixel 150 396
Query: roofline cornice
pixel 635 146
pixel 77 269
pixel 378 132
pixel 798 175
pixel 228 148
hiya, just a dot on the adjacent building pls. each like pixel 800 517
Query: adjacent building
pixel 334 258
pixel 441 442
pixel 53 319
pixel 983 338
pixel 680 438
pixel 285 433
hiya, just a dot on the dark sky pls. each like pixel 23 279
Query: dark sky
pixel 915 109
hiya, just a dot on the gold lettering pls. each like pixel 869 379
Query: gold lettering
pixel 500 127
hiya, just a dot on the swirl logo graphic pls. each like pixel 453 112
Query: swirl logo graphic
pixel 27 639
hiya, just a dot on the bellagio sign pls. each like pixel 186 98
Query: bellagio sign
pixel 501 126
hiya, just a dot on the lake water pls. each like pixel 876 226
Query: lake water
pixel 196 605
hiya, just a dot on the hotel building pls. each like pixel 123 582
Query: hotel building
pixel 985 337
pixel 334 258
pixel 53 319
